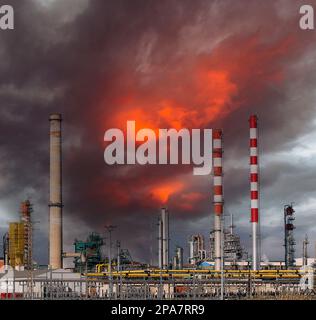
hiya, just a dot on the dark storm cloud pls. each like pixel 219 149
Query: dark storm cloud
pixel 92 61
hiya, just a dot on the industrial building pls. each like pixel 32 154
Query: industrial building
pixel 88 253
pixel 232 251
pixel 197 249
pixel 17 242
pixel 178 258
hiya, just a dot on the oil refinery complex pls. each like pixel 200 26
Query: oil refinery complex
pixel 216 268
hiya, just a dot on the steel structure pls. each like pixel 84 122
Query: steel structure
pixel 232 249
pixel 197 249
pixel 5 243
pixel 126 259
pixel 289 241
pixel 16 244
pixel 26 211
pixel 89 253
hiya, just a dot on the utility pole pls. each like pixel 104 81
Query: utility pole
pixel 118 268
pixel 118 245
pixel 109 229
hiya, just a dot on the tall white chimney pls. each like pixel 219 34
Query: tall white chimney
pixel 55 194
pixel 165 239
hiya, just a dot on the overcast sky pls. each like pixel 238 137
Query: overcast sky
pixel 189 64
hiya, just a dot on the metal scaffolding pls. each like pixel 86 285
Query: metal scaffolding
pixel 26 211
pixel 232 251
pixel 289 241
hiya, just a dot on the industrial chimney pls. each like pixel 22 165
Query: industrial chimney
pixel 254 191
pixel 163 239
pixel 218 194
pixel 55 194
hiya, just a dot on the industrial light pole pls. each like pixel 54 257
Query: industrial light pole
pixel 222 257
pixel 118 245
pixel 109 229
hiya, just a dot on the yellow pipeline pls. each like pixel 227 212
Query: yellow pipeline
pixel 200 271
pixel 157 273
pixel 184 275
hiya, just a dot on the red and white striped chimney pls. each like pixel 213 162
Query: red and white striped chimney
pixel 217 193
pixel 254 189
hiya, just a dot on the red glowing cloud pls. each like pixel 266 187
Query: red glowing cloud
pixel 197 93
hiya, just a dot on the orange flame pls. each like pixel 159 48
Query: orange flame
pixel 164 191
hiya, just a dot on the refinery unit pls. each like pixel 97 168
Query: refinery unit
pixel 216 268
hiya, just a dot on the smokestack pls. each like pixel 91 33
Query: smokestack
pixel 163 239
pixel 160 253
pixel 55 195
pixel 179 255
pixel 218 193
pixel 305 254
pixel 254 189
